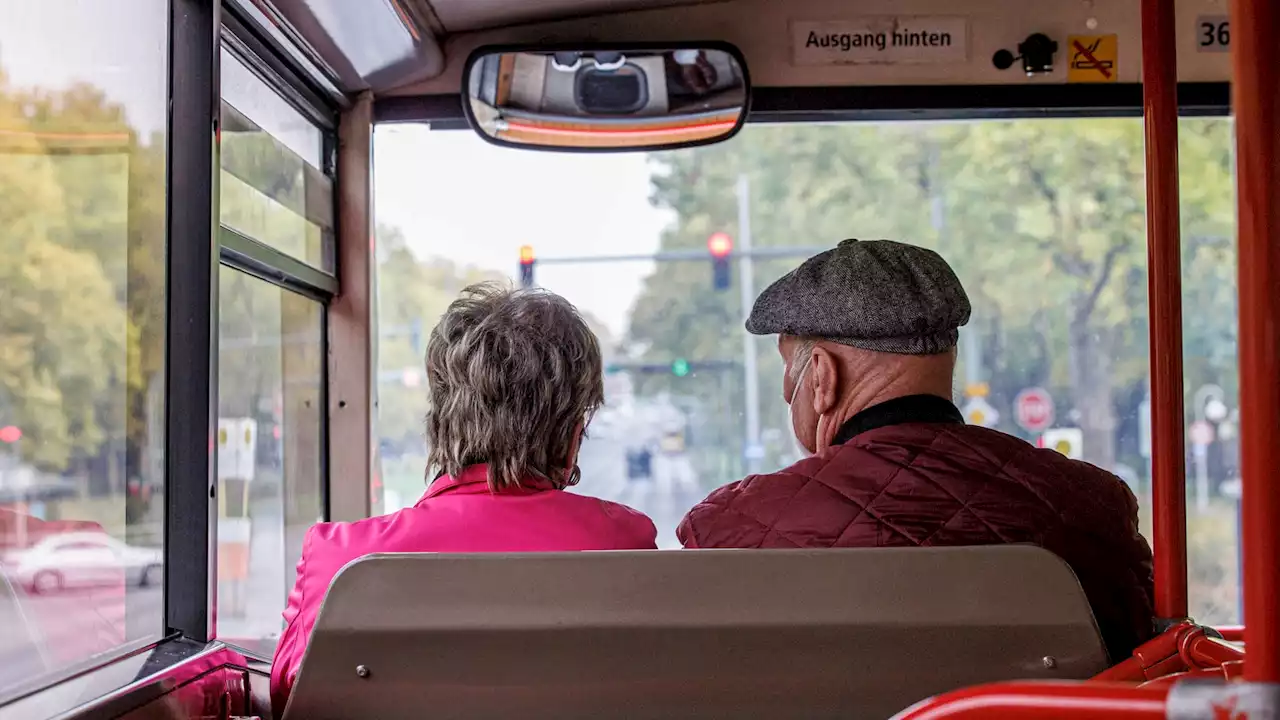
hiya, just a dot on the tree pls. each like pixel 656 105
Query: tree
pixel 1042 219
pixel 68 340
pixel 412 295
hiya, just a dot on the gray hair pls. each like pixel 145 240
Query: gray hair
pixel 798 358
pixel 510 374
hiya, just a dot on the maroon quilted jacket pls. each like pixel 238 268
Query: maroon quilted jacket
pixel 909 472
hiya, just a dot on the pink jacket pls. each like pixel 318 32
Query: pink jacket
pixel 455 515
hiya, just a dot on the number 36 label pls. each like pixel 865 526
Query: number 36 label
pixel 1213 33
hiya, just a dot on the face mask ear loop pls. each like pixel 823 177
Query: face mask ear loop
pixel 800 449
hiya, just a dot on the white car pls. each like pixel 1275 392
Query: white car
pixel 81 559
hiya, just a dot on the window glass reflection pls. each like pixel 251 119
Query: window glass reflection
pixel 82 323
pixel 273 187
pixel 269 447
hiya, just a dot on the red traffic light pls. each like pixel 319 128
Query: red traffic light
pixel 526 254
pixel 720 245
pixel 10 434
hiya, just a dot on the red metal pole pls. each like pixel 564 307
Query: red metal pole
pixel 1255 46
pixel 1043 701
pixel 1164 279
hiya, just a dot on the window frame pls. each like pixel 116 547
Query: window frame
pixel 197 29
pixel 889 103
pixel 244 253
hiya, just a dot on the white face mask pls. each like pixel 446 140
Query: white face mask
pixel 801 450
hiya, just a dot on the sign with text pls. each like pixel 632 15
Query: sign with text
pixel 881 39
pixel 1033 409
pixel 1213 33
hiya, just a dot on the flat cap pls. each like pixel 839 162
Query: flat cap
pixel 876 295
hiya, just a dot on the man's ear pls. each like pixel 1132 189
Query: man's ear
pixel 824 377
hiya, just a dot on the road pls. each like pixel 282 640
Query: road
pixel 74 624
pixel 665 497
pixel 49 632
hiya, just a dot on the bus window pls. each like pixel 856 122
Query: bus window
pixel 82 334
pixel 1210 370
pixel 275 208
pixel 1042 219
pixel 273 184
pixel 269 450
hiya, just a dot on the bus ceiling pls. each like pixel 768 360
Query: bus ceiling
pixel 419 48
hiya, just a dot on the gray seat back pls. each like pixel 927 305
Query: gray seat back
pixel 708 633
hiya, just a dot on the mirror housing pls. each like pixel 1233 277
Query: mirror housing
pixel 606 98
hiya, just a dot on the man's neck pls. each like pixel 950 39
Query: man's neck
pixel 862 398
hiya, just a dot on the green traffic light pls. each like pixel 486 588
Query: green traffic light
pixel 680 367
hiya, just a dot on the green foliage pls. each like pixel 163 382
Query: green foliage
pixel 412 295
pixel 81 324
pixel 1043 220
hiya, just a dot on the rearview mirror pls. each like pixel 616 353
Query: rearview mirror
pixel 606 99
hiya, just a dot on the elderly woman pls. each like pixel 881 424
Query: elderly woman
pixel 513 379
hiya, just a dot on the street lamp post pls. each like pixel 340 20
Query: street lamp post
pixel 752 451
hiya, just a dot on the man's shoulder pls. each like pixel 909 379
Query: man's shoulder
pixel 741 513
pixel 767 486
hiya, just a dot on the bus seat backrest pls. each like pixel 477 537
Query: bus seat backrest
pixel 708 633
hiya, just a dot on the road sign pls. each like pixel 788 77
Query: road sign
pixel 1033 410
pixel 979 412
pixel 1092 58
pixel 1068 441
pixel 236 444
pixel 1201 433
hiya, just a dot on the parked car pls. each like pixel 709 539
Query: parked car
pixel 82 559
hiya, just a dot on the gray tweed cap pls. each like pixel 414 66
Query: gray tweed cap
pixel 876 295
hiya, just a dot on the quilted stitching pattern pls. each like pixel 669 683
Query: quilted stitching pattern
pixel 936 484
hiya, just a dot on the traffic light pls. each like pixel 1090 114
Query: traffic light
pixel 720 245
pixel 10 434
pixel 680 367
pixel 526 266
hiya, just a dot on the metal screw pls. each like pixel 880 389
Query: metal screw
pixel 363 671
pixel 1050 662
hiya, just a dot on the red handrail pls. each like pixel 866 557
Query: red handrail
pixel 1231 633
pixel 1164 279
pixel 1044 701
pixel 1255 27
pixel 1181 648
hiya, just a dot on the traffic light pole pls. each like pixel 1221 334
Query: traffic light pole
pixel 752 452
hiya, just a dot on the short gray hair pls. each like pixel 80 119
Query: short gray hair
pixel 510 375
pixel 804 348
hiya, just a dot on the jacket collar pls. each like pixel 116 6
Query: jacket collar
pixel 474 480
pixel 908 409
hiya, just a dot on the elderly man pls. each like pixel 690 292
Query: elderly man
pixel 868 333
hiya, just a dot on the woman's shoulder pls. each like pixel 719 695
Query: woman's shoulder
pixel 637 527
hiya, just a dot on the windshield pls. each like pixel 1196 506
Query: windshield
pixel 1043 220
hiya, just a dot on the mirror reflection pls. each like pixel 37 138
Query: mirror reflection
pixel 601 99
